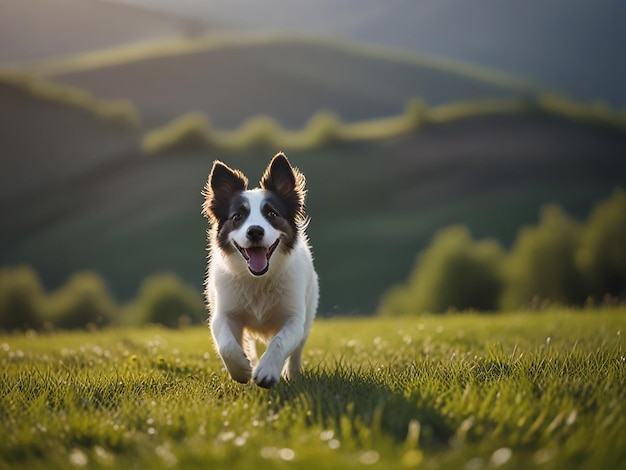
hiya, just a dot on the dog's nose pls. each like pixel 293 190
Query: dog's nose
pixel 255 233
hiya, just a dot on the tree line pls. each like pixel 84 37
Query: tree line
pixel 193 132
pixel 557 261
pixel 84 301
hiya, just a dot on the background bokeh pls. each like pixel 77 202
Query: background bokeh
pixel 459 154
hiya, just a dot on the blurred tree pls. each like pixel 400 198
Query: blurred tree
pixel 166 300
pixel 83 301
pixel 259 132
pixel 190 132
pixel 21 298
pixel 602 254
pixel 415 113
pixel 541 264
pixel 324 128
pixel 454 272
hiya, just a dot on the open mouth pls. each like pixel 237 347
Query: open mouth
pixel 258 257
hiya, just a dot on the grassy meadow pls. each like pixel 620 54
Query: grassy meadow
pixel 518 390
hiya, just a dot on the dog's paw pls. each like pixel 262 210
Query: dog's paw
pixel 291 374
pixel 237 365
pixel 267 373
pixel 241 375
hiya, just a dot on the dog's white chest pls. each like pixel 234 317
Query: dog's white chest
pixel 260 301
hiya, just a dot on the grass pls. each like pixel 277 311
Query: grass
pixel 522 390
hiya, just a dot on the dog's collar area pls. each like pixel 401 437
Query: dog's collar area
pixel 257 257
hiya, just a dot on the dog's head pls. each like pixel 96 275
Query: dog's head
pixel 257 223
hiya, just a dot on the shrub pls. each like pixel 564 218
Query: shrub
pixel 541 264
pixel 119 112
pixel 324 128
pixel 84 301
pixel 259 132
pixel 190 132
pixel 21 298
pixel 415 113
pixel 601 257
pixel 454 272
pixel 164 299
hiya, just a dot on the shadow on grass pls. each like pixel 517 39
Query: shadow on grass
pixel 360 405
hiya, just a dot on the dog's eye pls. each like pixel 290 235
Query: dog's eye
pixel 272 214
pixel 236 217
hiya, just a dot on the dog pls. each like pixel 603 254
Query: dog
pixel 261 284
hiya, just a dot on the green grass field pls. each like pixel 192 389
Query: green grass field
pixel 541 390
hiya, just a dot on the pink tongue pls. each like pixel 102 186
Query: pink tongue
pixel 257 261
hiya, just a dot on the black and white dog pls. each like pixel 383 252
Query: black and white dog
pixel 261 284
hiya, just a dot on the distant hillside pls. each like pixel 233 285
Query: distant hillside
pixel 573 47
pixel 39 29
pixel 286 78
pixel 120 113
pixel 45 144
pixel 77 194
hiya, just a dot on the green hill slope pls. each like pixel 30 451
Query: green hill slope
pixel 83 196
pixel 48 136
pixel 39 29
pixel 288 78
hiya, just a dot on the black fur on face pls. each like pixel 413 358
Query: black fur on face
pixel 227 207
pixel 238 212
pixel 288 184
pixel 274 210
pixel 222 185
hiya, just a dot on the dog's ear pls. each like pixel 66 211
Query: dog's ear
pixel 288 183
pixel 223 182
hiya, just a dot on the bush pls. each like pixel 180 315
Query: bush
pixel 541 264
pixel 415 113
pixel 190 132
pixel 454 272
pixel 120 112
pixel 164 299
pixel 84 301
pixel 21 298
pixel 259 132
pixel 557 261
pixel 601 257
pixel 323 129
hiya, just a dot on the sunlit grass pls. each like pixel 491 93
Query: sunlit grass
pixel 460 391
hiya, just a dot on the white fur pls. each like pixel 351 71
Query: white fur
pixel 277 308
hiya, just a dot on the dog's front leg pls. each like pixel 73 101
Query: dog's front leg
pixel 267 372
pixel 228 336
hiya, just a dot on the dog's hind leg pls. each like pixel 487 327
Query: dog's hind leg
pixel 293 366
pixel 249 347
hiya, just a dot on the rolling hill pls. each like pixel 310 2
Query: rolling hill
pixel 45 143
pixel 76 191
pixel 42 29
pixel 288 78
pixel 77 194
pixel 573 47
